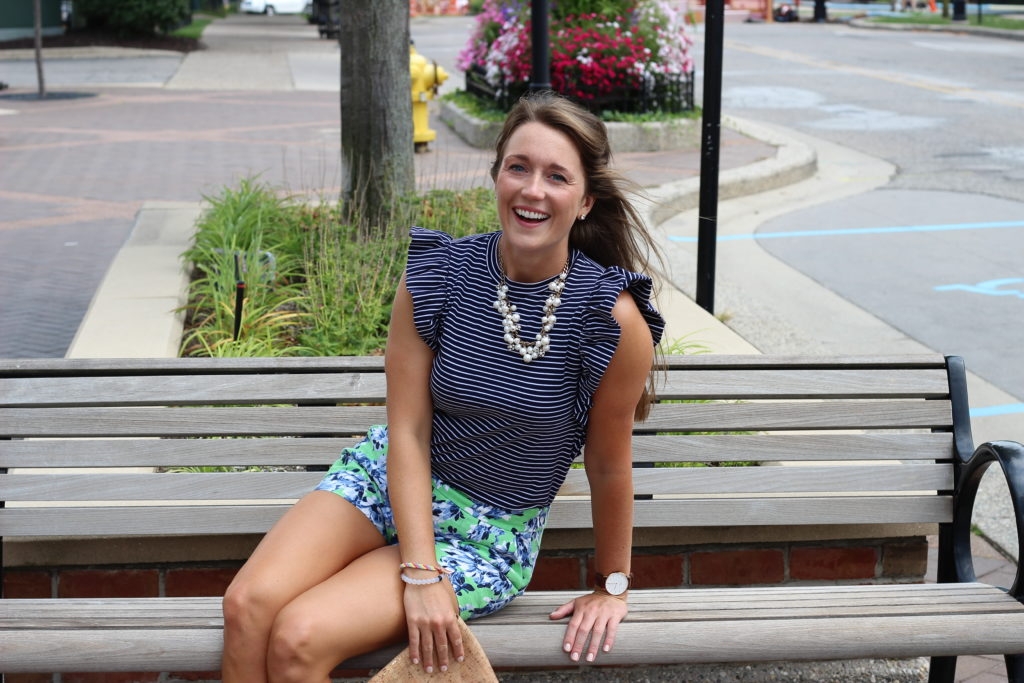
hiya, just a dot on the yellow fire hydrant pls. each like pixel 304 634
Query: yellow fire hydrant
pixel 427 77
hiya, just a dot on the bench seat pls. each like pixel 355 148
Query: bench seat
pixel 665 626
pixel 133 449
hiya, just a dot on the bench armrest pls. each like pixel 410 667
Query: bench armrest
pixel 1010 456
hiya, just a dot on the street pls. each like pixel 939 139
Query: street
pixel 938 250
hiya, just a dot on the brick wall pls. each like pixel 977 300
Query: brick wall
pixel 902 559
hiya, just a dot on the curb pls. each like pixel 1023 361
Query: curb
pixel 794 161
pixel 623 137
pixel 1006 34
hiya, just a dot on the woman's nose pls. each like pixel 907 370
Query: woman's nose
pixel 534 187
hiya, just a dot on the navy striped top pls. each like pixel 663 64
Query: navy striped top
pixel 504 431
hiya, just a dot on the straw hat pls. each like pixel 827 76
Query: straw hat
pixel 473 669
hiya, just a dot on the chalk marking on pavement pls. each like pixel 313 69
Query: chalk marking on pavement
pixel 889 76
pixel 996 411
pixel 858 231
pixel 989 287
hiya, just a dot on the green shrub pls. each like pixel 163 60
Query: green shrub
pixel 133 17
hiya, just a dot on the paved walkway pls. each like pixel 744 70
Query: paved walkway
pixel 163 130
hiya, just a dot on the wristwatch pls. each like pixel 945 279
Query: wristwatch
pixel 615 583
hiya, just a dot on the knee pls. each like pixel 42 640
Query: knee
pixel 246 605
pixel 292 653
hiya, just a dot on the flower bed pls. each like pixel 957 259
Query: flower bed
pixel 636 59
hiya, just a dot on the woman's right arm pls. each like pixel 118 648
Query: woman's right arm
pixel 431 610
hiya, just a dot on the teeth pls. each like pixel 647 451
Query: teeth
pixel 531 215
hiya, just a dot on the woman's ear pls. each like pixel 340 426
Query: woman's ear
pixel 586 206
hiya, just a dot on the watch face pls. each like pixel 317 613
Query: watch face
pixel 616 583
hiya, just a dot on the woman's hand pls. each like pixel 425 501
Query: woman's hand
pixel 596 617
pixel 434 635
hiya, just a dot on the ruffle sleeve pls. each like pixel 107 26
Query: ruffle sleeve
pixel 426 276
pixel 601 332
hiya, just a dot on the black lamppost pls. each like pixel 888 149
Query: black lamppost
pixel 540 74
pixel 711 120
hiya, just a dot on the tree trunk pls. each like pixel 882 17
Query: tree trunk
pixel 38 7
pixel 376 108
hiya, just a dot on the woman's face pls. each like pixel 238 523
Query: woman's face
pixel 541 190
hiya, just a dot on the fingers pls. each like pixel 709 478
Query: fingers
pixel 592 628
pixel 438 645
pixel 563 611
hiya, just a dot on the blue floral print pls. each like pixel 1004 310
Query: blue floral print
pixel 490 551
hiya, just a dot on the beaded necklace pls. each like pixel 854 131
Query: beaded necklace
pixel 529 351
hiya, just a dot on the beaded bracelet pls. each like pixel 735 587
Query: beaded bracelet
pixel 425 567
pixel 421 582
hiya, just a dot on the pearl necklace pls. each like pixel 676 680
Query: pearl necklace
pixel 510 318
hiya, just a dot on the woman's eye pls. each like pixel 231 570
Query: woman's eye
pixel 516 168
pixel 558 177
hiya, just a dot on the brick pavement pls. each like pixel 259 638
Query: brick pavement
pixel 75 172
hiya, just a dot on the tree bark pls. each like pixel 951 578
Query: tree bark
pixel 376 108
pixel 38 9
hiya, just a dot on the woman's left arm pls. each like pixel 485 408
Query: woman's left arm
pixel 608 460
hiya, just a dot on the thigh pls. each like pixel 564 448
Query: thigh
pixel 358 610
pixel 318 537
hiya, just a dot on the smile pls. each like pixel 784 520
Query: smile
pixel 532 215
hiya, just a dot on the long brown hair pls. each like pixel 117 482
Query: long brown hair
pixel 614 232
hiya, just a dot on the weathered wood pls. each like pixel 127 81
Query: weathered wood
pixel 190 519
pixel 193 390
pixel 717 448
pixel 710 625
pixel 823 441
pixel 653 481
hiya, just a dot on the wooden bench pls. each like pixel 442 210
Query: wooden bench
pixel 847 441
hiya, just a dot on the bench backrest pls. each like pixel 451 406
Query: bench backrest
pixel 108 447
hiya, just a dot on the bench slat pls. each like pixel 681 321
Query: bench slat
pixel 312 451
pixel 192 390
pixel 357 387
pixel 649 481
pixel 171 452
pixel 105 367
pixel 767 416
pixel 315 421
pixel 122 634
pixel 801 446
pixel 161 520
pixel 803 383
pixel 152 422
pixel 69 367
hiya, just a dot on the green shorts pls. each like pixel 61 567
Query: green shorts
pixel 490 551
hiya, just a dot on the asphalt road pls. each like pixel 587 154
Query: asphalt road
pixel 938 251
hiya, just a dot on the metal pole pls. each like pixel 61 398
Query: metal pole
pixel 707 222
pixel 540 74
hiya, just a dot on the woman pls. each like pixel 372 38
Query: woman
pixel 506 352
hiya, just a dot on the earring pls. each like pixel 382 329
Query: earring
pixel 583 216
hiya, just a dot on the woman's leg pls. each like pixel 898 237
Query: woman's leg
pixel 313 541
pixel 357 610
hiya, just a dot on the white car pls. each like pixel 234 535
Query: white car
pixel 271 7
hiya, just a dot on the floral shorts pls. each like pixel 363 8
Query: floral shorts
pixel 490 551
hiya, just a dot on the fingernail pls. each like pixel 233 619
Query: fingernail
pixel 567 647
pixel 461 659
pixel 430 669
pixel 575 656
pixel 444 668
pixel 607 648
pixel 590 656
